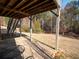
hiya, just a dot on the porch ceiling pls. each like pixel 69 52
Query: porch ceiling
pixel 24 8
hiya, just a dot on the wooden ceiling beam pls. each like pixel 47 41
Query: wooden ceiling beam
pixel 16 6
pixel 41 8
pixel 15 11
pixel 22 2
pixel 36 5
pixel 28 4
pixel 18 16
pixel 5 6
pixel 22 8
pixel 25 14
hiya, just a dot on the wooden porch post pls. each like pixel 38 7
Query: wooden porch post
pixel 20 27
pixel 30 28
pixel 57 27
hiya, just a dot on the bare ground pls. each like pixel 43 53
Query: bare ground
pixel 69 45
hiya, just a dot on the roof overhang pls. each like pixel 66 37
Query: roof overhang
pixel 24 8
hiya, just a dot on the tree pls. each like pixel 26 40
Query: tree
pixel 44 20
pixel 71 16
pixel 37 26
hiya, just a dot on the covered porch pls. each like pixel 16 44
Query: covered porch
pixel 17 10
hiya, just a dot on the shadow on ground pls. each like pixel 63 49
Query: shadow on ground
pixel 8 47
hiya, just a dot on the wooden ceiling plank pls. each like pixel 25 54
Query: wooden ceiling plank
pixel 39 8
pixel 9 5
pixel 2 2
pixel 19 12
pixel 5 6
pixel 15 11
pixel 36 5
pixel 16 6
pixel 43 10
pixel 18 16
pixel 23 1
pixel 29 4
